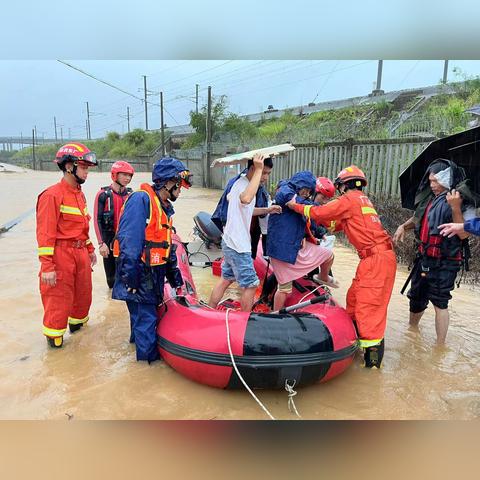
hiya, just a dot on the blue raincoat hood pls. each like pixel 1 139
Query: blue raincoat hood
pixel 303 179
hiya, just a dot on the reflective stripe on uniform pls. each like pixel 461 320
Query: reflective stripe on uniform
pixel 368 343
pixel 52 332
pixel 151 206
pixel 70 210
pixel 306 210
pixel 369 211
pixel 45 250
pixel 157 202
pixel 88 242
pixel 77 321
pixel 332 226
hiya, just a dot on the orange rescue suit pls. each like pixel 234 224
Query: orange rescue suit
pixel 158 232
pixel 64 247
pixel 371 289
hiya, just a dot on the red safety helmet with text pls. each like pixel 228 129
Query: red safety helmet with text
pixel 76 153
pixel 325 186
pixel 351 173
pixel 121 167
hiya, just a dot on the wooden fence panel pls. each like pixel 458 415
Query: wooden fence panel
pixel 381 160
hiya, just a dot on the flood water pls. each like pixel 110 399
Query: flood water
pixel 96 376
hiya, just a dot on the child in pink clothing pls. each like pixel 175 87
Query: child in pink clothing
pixel 291 246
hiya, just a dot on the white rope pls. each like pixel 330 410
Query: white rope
pixel 310 293
pixel 291 394
pixel 238 373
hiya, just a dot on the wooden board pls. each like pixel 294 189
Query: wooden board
pixel 245 156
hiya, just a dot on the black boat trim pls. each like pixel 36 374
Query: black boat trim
pixel 257 361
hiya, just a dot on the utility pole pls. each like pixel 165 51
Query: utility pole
pixel 379 76
pixel 161 124
pixel 55 124
pixel 61 133
pixel 33 148
pixel 196 98
pixel 36 136
pixel 445 72
pixel 208 138
pixel 128 119
pixel 69 135
pixel 145 100
pixel 89 133
pixel 86 127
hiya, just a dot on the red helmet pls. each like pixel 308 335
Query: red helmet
pixel 350 173
pixel 77 153
pixel 121 167
pixel 325 186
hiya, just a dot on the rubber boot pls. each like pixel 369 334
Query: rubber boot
pixel 374 355
pixel 73 327
pixel 55 342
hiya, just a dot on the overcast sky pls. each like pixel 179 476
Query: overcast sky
pixel 33 92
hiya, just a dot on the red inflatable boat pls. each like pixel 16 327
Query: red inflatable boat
pixel 314 343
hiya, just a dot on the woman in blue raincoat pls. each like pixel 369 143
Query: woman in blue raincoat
pixel 291 246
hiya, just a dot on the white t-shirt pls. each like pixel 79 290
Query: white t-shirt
pixel 236 233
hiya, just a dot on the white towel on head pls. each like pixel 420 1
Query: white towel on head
pixel 444 178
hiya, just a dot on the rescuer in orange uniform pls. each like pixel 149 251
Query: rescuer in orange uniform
pixel 64 248
pixel 371 289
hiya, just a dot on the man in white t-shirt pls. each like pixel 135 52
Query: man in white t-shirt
pixel 236 245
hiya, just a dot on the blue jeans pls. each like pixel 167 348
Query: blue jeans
pixel 238 267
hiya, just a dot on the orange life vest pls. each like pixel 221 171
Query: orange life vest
pixel 158 232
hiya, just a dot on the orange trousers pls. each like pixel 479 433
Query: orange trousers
pixel 70 299
pixel 369 295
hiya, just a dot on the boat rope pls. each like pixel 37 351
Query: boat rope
pixel 310 293
pixel 238 373
pixel 291 393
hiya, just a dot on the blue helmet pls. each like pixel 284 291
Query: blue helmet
pixel 169 168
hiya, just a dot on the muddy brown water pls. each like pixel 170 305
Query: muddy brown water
pixel 96 376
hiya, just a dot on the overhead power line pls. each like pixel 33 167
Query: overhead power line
pixel 100 80
pixel 193 74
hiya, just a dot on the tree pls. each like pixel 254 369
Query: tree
pixel 198 121
pixel 135 137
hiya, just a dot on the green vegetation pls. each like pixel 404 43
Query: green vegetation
pixel 441 114
pixel 133 144
pixel 223 123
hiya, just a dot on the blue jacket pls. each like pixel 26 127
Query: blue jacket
pixel 219 216
pixel 473 226
pixel 287 230
pixel 130 270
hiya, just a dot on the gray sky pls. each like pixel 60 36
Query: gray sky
pixel 33 92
